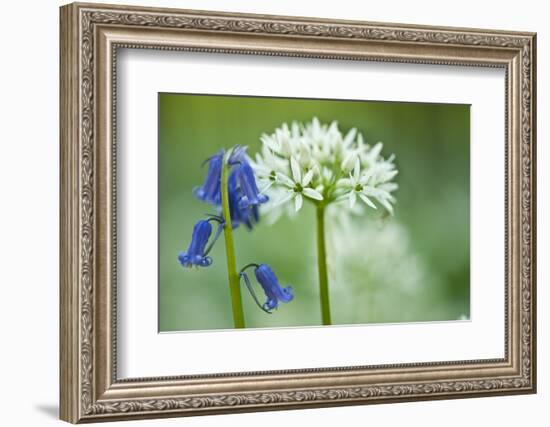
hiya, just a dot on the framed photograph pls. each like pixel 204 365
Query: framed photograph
pixel 266 212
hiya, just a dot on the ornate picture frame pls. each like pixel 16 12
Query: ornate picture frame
pixel 90 37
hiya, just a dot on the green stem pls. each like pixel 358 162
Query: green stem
pixel 233 276
pixel 322 264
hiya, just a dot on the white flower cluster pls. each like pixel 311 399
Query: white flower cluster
pixel 316 161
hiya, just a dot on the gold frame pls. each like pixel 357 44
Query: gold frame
pixel 90 36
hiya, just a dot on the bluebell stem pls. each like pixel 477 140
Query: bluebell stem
pixel 210 191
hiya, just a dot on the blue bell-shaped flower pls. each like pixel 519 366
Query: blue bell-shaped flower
pixel 195 254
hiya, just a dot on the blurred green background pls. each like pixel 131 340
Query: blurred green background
pixel 412 267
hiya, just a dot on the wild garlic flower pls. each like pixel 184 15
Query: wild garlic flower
pixel 298 185
pixel 317 162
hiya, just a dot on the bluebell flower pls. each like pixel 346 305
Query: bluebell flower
pixel 245 178
pixel 247 182
pixel 274 292
pixel 243 193
pixel 254 213
pixel 210 191
pixel 246 215
pixel 238 155
pixel 197 253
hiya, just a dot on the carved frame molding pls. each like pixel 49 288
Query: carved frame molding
pixel 90 37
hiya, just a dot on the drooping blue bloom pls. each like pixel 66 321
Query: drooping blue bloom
pixel 274 292
pixel 197 254
pixel 210 191
pixel 246 215
pixel 243 193
pixel 238 155
pixel 245 178
pixel 254 213
pixel 247 182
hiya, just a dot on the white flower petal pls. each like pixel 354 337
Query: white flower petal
pixel 327 173
pixel 387 205
pixel 296 172
pixel 286 147
pixel 312 194
pixel 267 186
pixel 288 196
pixel 352 199
pixel 298 201
pixel 368 201
pixel 286 128
pixel 365 178
pixel 388 186
pixel 375 192
pixel 350 136
pixel 295 129
pixel 357 170
pixel 349 161
pixel 388 175
pixel 316 170
pixel 375 151
pixel 269 142
pixel 303 150
pixel 315 124
pixel 383 194
pixel 307 178
pixel 344 182
pixel 285 180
